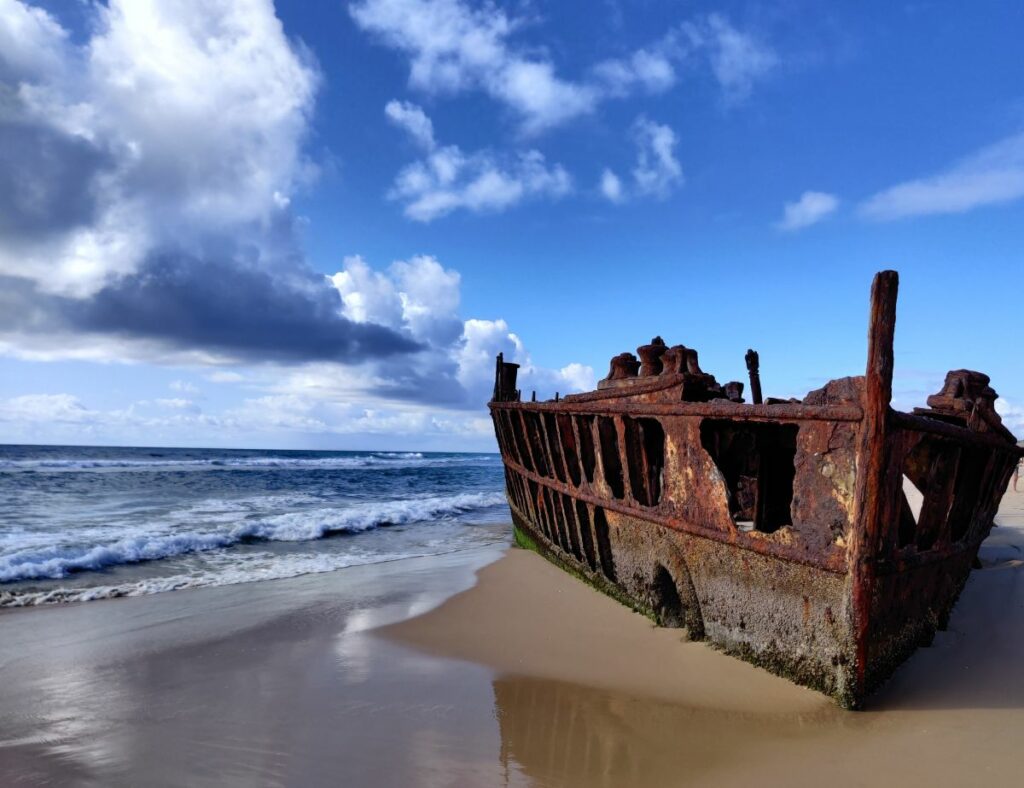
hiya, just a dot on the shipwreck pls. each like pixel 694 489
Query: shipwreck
pixel 780 531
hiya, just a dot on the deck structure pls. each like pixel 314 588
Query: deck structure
pixel 779 531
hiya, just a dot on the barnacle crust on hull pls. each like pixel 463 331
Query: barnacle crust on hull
pixel 778 530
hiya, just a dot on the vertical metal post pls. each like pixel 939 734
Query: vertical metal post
pixel 872 462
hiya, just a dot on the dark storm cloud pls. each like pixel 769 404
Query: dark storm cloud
pixel 181 302
pixel 47 180
pixel 436 386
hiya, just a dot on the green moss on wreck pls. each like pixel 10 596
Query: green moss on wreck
pixel 770 659
pixel 524 540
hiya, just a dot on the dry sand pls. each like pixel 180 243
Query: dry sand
pixel 527 677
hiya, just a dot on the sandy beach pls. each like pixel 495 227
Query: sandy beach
pixel 486 666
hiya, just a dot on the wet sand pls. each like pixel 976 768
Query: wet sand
pixel 484 667
pixel 592 694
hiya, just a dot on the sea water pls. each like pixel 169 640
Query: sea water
pixel 85 523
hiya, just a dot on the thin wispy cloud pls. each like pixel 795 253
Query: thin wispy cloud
pixel 657 171
pixel 453 46
pixel 611 186
pixel 738 59
pixel 652 70
pixel 456 45
pixel 990 176
pixel 810 209
pixel 448 179
pixel 414 120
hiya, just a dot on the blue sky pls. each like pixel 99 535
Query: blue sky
pixel 313 224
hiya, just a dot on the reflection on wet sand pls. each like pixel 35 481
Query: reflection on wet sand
pixel 556 733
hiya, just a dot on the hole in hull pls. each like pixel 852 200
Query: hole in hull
pixel 533 432
pixel 572 460
pixel 757 463
pixel 554 446
pixel 604 547
pixel 583 518
pixel 515 418
pixel 645 456
pixel 585 428
pixel 610 459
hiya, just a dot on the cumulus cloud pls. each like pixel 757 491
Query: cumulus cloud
pixel 992 175
pixel 657 170
pixel 420 299
pixel 456 45
pixel 145 178
pixel 446 179
pixel 810 209
pixel 31 408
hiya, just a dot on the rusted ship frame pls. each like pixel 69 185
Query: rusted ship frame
pixel 778 531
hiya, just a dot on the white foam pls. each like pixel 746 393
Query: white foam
pixel 314 523
pixel 251 568
pixel 400 455
pixel 58 560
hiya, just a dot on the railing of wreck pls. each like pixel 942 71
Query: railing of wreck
pixel 555 452
pixel 960 474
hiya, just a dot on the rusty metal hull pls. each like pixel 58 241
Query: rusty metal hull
pixel 780 533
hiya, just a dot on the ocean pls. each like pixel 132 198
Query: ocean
pixel 86 523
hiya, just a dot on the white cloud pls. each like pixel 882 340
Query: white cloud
pixel 453 46
pixel 456 45
pixel 418 296
pixel 811 208
pixel 367 296
pixel 738 59
pixel 651 70
pixel 611 186
pixel 414 120
pixel 31 40
pixel 447 179
pixel 657 171
pixel 191 114
pixel 992 175
pixel 421 298
pixel 532 89
pixel 33 408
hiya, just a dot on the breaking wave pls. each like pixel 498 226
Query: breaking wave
pixel 59 561
pixel 375 460
pixel 256 567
